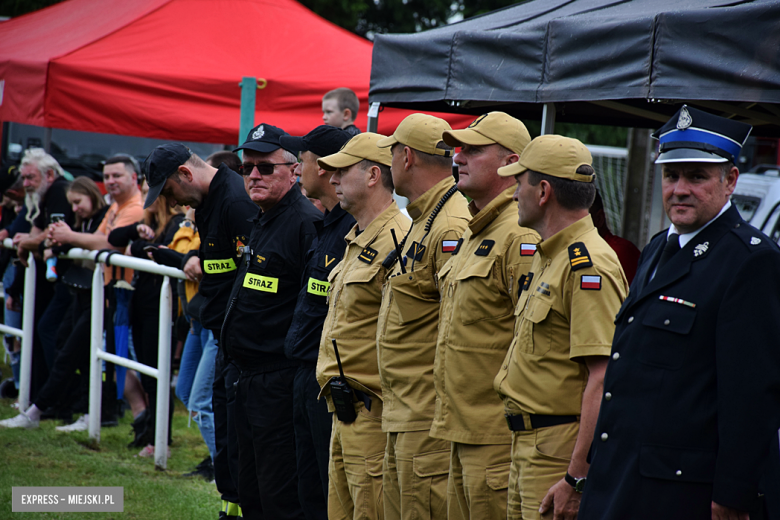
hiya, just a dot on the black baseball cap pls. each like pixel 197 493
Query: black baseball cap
pixel 163 162
pixel 263 138
pixel 322 141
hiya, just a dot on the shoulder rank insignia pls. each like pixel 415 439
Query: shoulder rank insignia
pixel 329 260
pixel 528 280
pixel 579 256
pixel 367 255
pixel 415 251
pixel 527 249
pixel 590 283
pixel 485 247
pixel 457 247
pixel 448 246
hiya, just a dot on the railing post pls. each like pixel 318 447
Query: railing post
pixel 163 376
pixel 96 342
pixel 28 326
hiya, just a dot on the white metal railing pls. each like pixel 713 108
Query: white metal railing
pixel 97 354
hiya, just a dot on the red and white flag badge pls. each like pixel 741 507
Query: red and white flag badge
pixel 527 249
pixel 448 246
pixel 592 283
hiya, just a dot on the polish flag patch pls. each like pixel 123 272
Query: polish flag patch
pixel 592 283
pixel 448 246
pixel 527 249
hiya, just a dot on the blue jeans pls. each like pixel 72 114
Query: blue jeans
pixel 12 319
pixel 196 377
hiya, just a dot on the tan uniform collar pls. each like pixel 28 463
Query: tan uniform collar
pixel 489 213
pixel 422 207
pixel 564 238
pixel 365 238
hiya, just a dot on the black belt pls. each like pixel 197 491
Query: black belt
pixel 516 424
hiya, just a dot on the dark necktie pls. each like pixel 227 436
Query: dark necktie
pixel 672 246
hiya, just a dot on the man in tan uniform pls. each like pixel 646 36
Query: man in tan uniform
pixel 364 187
pixel 551 380
pixel 416 465
pixel 479 288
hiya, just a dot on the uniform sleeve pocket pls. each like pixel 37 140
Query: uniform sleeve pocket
pixel 497 476
pixel 431 464
pixel 678 464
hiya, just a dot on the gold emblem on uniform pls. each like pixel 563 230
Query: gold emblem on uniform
pixel 579 257
pixel 485 247
pixel 367 255
pixel 260 259
pixel 329 260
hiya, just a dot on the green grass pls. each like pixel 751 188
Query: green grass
pixel 46 457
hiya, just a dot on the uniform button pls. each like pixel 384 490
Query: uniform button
pixel 604 437
pixel 678 472
pixel 505 367
pixel 608 396
pixel 616 356
pixel 667 322
pixel 630 319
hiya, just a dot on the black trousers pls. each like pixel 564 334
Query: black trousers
pixel 313 424
pixel 72 355
pixel 267 479
pixel 44 292
pixel 224 403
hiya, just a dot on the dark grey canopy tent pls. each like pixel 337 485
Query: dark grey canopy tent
pixel 624 63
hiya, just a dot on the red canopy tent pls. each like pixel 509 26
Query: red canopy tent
pixel 170 69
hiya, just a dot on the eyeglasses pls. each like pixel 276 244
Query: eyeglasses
pixel 262 168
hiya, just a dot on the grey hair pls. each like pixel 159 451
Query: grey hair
pixel 41 160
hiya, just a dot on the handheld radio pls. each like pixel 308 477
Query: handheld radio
pixel 342 393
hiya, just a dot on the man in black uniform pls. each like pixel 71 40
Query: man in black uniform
pixel 257 319
pixel 223 213
pixel 691 402
pixel 312 421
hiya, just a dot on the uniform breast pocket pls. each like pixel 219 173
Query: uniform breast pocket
pixel 219 258
pixel 533 337
pixel 317 285
pixel 262 279
pixel 361 293
pixel 482 299
pixel 415 294
pixel 668 325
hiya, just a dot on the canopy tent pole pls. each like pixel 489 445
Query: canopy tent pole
pixel 247 122
pixel 373 117
pixel 548 118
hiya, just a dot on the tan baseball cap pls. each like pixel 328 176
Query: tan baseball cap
pixel 491 128
pixel 554 155
pixel 421 132
pixel 362 146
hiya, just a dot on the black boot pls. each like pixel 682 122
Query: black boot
pixel 205 469
pixel 143 430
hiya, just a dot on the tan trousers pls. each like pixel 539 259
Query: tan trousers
pixel 355 469
pixel 478 480
pixel 540 459
pixel 415 476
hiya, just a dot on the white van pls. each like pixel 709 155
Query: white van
pixel 757 197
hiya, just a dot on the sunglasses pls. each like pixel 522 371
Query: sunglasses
pixel 262 168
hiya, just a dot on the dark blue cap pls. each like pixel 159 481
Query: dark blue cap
pixel 163 162
pixel 696 136
pixel 322 141
pixel 263 138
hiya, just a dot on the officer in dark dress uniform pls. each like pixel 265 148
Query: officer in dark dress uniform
pixel 691 399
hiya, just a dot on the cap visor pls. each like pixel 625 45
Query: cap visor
pixel 153 193
pixel 682 155
pixel 511 170
pixel 387 141
pixel 292 144
pixel 259 147
pixel 466 136
pixel 338 160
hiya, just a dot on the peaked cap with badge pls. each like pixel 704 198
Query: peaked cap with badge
pixel 691 404
pixel 693 135
pixel 264 138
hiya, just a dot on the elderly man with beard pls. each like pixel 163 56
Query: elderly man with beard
pixel 45 189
